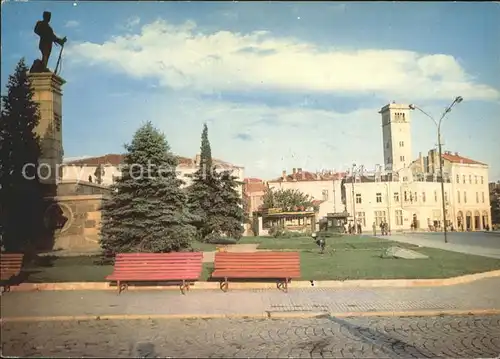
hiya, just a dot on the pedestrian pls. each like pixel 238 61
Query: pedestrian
pixel 374 227
pixel 359 228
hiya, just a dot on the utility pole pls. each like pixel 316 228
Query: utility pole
pixel 458 99
pixel 353 199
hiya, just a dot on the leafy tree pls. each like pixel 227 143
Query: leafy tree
pixel 147 209
pixel 495 204
pixel 21 193
pixel 288 199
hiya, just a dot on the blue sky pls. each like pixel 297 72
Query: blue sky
pixel 281 85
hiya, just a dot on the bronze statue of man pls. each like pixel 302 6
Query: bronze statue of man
pixel 47 37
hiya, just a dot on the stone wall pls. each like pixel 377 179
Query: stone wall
pixel 79 229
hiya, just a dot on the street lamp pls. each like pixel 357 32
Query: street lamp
pixel 458 99
pixel 353 199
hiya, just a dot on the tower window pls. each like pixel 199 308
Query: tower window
pixel 401 144
pixel 402 158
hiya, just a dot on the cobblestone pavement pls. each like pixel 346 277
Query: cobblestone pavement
pixel 459 337
pixel 481 294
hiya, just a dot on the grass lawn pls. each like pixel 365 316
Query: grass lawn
pixel 347 257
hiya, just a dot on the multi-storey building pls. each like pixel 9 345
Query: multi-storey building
pixel 405 193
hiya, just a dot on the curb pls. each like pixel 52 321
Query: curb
pixel 265 315
pixel 382 283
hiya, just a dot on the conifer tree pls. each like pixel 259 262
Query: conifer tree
pixel 21 193
pixel 147 209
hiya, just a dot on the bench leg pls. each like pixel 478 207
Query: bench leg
pixel 282 286
pixel 184 287
pixel 224 286
pixel 121 286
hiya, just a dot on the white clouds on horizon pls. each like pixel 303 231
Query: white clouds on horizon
pixel 183 57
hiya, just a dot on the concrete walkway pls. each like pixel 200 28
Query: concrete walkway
pixel 422 241
pixel 479 295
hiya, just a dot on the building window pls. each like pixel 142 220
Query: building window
pixel 402 158
pixel 482 180
pixel 470 179
pixel 423 196
pixel 446 197
pixel 401 144
pixel 405 179
pixel 379 217
pixel 379 197
pixel 435 196
pixel 406 196
pixel 396 196
pixel 358 198
pixel 325 194
pixel 482 197
pixel 458 178
pixel 399 217
pixel 458 196
pixel 465 197
pixel 360 216
pixel 463 178
pixel 477 197
pixel 416 197
pixel 475 179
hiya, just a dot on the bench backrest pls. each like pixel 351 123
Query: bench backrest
pixel 10 264
pixel 175 262
pixel 254 261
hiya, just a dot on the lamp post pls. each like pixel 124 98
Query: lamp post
pixel 353 199
pixel 458 99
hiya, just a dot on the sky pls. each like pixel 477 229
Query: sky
pixel 280 84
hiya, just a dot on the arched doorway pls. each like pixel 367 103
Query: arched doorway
pixel 468 221
pixel 477 221
pixel 486 222
pixel 460 221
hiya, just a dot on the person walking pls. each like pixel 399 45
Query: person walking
pixel 374 227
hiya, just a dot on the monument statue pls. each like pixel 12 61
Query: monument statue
pixel 47 37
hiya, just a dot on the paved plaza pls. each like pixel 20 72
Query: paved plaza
pixel 477 243
pixel 329 337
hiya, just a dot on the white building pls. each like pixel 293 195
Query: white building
pixel 406 193
pixel 84 170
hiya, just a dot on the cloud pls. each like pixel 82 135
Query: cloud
pixel 72 24
pixel 243 137
pixel 184 57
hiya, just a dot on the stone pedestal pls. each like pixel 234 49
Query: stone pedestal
pixel 48 94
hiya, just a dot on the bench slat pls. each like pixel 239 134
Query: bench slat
pixel 10 265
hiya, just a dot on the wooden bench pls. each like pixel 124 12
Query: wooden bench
pixel 10 267
pixel 283 266
pixel 156 267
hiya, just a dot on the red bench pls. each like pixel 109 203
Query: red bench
pixel 10 267
pixel 283 266
pixel 156 267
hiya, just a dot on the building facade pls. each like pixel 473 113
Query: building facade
pixel 86 170
pixel 405 193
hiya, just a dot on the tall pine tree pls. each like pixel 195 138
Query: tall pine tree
pixel 21 193
pixel 214 199
pixel 201 191
pixel 147 209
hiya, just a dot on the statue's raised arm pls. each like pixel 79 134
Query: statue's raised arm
pixel 47 38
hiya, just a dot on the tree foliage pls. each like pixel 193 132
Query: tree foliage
pixel 495 204
pixel 214 199
pixel 21 193
pixel 147 209
pixel 288 199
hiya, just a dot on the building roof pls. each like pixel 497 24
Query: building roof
pixel 305 176
pixel 253 186
pixel 456 158
pixel 114 159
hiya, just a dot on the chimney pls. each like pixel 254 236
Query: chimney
pixel 456 153
pixel 283 174
pixel 294 171
pixel 299 170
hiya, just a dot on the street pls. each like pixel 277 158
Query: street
pixel 330 337
pixel 477 243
